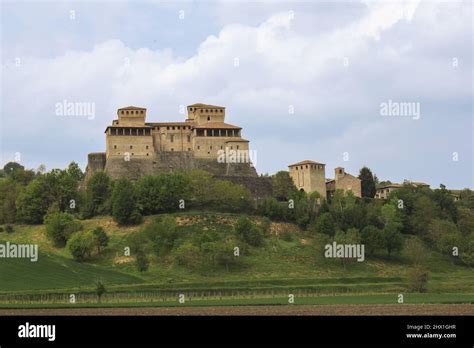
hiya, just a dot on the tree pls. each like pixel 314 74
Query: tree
pixel 424 211
pixel 163 234
pixel 221 253
pixel 10 167
pixel 75 171
pixel 351 236
pixel 60 226
pixel 81 245
pixel 100 290
pixel 415 251
pixel 230 197
pixel 33 202
pixel 325 224
pixel 101 238
pixel 372 238
pixel 367 182
pixel 162 192
pixel 418 279
pixel 246 231
pixel 393 240
pixel 98 192
pixel 141 261
pixel 124 206
pixel 444 235
pixel 9 191
pixel 282 186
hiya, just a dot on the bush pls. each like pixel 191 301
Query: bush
pixel 246 231
pixel 101 238
pixel 81 245
pixel 9 228
pixel 372 238
pixel 188 255
pixel 221 253
pixel 1 229
pixel 141 261
pixel 325 225
pixel 418 279
pixel 162 234
pixel 60 226
pixel 286 235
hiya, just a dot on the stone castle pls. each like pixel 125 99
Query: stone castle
pixel 135 148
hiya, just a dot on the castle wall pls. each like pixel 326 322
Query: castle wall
pixel 134 145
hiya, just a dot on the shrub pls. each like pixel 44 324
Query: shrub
pixel 1 229
pixel 246 231
pixel 418 279
pixel 60 226
pixel 9 228
pixel 286 235
pixel 188 255
pixel 81 245
pixel 141 261
pixel 325 224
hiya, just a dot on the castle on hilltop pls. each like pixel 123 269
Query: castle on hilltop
pixel 203 140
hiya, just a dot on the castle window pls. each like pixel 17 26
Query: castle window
pixel 237 147
pixel 172 149
pixel 115 146
pixel 202 111
pixel 131 146
pixel 306 166
pixel 147 154
pixel 231 147
pixel 147 147
pixel 199 147
pixel 172 138
pixel 189 149
pixel 172 128
pixel 208 118
pixel 206 110
pixel 126 112
pixel 141 111
pixel 210 147
pixel 189 138
pixel 221 147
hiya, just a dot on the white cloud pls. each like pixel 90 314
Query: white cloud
pixel 281 64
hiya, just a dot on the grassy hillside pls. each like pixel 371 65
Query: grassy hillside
pixel 282 264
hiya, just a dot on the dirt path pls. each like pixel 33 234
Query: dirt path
pixel 406 309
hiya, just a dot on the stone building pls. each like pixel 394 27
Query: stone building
pixel 203 134
pixel 135 147
pixel 309 176
pixel 345 182
pixel 383 191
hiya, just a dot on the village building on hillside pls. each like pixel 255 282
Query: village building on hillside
pixel 309 176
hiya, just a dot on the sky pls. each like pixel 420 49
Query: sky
pixel 305 79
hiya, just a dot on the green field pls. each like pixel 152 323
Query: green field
pixel 268 274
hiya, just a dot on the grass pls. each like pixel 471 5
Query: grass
pixel 280 266
pixel 279 300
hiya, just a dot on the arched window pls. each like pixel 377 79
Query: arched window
pixel 208 118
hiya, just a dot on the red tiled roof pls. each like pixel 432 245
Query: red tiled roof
pixel 305 162
pixel 217 125
pixel 200 105
pixel 132 108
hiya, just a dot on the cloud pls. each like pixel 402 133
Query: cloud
pixel 334 79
